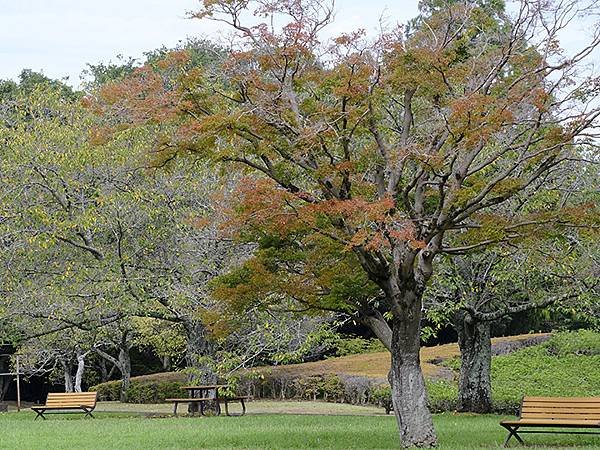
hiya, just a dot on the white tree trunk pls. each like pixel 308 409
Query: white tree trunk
pixel 80 370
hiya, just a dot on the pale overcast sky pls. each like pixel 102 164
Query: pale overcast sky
pixel 58 37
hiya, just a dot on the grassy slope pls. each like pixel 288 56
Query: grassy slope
pixel 258 431
pixel 377 365
pixel 373 365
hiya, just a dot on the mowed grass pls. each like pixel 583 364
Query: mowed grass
pixel 19 431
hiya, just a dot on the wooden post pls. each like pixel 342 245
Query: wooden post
pixel 18 386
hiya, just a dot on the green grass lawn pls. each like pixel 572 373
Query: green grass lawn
pixel 264 431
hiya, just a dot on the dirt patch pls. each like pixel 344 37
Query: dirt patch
pixel 508 346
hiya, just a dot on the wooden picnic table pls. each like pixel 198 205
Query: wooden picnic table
pixel 205 397
pixel 205 389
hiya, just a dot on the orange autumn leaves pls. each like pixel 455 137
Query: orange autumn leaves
pixel 370 224
pixel 152 93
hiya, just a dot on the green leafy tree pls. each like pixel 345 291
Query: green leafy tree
pixel 386 150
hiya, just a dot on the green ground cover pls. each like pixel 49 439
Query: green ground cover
pixel 264 431
pixel 564 366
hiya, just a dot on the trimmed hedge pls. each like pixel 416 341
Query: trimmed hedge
pixel 146 389
pixel 355 390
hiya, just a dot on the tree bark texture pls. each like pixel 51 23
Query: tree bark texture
pixel 79 371
pixel 409 396
pixel 199 351
pixel 67 375
pixel 125 369
pixel 474 341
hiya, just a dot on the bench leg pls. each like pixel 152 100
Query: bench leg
pixel 175 409
pixel 243 407
pixel 40 413
pixel 512 431
pixel 88 413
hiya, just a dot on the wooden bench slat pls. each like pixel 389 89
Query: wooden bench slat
pixel 71 400
pixel 563 399
pixel 70 406
pixel 590 406
pixel 560 412
pixel 60 407
pixel 556 423
pixel 561 416
pixel 586 415
pixel 536 409
pixel 71 394
pixel 54 395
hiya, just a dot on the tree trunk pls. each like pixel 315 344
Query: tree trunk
pixel 378 325
pixel 474 386
pixel 4 385
pixel 125 369
pixel 199 353
pixel 122 363
pixel 408 385
pixel 4 380
pixel 79 372
pixel 105 373
pixel 67 375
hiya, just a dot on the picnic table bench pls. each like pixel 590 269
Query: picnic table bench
pixel 205 399
pixel 67 403
pixel 555 412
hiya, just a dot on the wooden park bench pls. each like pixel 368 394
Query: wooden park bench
pixel 555 412
pixel 67 403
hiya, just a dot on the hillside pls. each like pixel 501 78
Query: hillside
pixel 374 365
pixel 377 365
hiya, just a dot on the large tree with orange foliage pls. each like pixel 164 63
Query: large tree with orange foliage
pixel 366 156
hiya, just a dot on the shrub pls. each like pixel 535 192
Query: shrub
pixel 153 392
pixel 355 346
pixel 582 342
pixel 141 390
pixel 108 391
pixel 382 396
pixel 442 395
